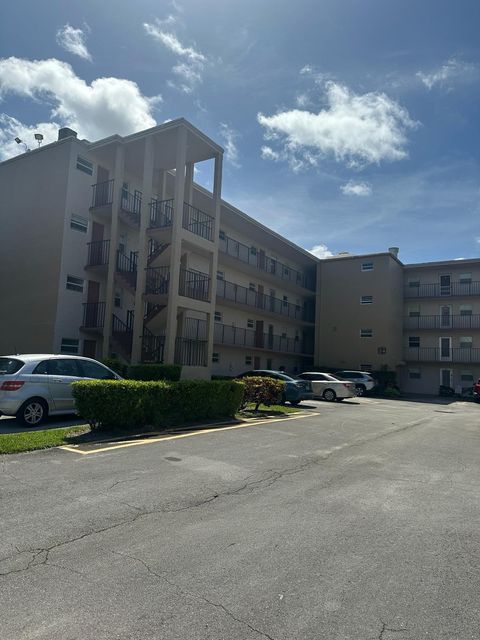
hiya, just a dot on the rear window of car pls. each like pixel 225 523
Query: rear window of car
pixel 9 366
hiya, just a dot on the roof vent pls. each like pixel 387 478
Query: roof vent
pixel 394 251
pixel 66 132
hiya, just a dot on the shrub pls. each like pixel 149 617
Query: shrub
pixel 116 365
pixel 391 392
pixel 154 372
pixel 262 390
pixel 134 404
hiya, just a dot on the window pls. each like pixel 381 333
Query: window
pixel 215 357
pixel 253 251
pixel 466 376
pixel 366 300
pixel 8 366
pixel 84 165
pixel 366 333
pixel 69 345
pixel 382 351
pixel 250 324
pixel 248 359
pixel 367 266
pixel 414 374
pixel 217 316
pixel 286 271
pixel 284 334
pixel 64 367
pixel 466 342
pixel 222 235
pixel 75 284
pixel 465 278
pixel 414 342
pixel 252 286
pixel 414 284
pixel 94 370
pixel 41 368
pixel 414 312
pixel 465 309
pixel 220 275
pixel 285 301
pixel 78 223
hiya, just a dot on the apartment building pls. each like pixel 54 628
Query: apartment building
pixel 421 321
pixel 128 257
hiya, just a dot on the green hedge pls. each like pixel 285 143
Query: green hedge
pixel 116 365
pixel 155 372
pixel 136 404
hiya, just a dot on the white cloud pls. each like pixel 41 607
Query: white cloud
pixel 449 73
pixel 73 40
pixel 192 64
pixel 353 188
pixel 269 154
pixel 229 137
pixel 321 251
pixel 356 129
pixel 302 99
pixel 104 107
pixel 11 128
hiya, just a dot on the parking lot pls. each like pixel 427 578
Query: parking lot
pixel 354 521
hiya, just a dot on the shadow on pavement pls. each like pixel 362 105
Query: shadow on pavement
pixel 10 425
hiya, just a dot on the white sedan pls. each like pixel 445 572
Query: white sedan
pixel 329 387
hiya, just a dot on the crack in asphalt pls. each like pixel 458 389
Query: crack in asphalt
pixel 191 594
pixel 389 629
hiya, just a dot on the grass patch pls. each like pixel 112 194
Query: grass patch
pixel 265 411
pixel 32 440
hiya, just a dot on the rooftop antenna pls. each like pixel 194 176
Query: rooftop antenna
pixel 39 138
pixel 20 141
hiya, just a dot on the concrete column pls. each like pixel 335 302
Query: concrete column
pixel 217 199
pixel 176 249
pixel 189 183
pixel 147 191
pixel 163 184
pixel 118 177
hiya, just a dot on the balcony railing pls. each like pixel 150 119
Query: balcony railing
pixel 439 354
pixel 241 295
pixel 102 193
pixel 161 214
pixel 93 315
pixel 437 290
pixel 194 284
pixel 127 267
pixel 122 332
pixel 132 204
pixel 152 346
pixel 239 337
pixel 190 352
pixel 258 259
pixel 157 280
pixel 98 253
pixel 442 322
pixel 198 222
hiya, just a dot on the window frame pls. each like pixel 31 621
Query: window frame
pixel 366 332
pixel 84 165
pixel 70 285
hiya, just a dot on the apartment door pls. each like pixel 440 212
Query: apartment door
pixel 270 336
pixel 445 348
pixel 91 318
pixel 259 334
pixel 445 316
pixel 445 285
pixel 101 190
pixel 260 296
pixel 256 362
pixel 261 259
pixel 90 348
pixel 446 377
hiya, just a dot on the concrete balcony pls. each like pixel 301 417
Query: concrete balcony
pixel 194 220
pixel 130 203
pixel 440 322
pixel 437 290
pixel 192 284
pixel 436 354
pixel 249 338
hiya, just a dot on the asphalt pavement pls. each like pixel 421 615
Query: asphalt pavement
pixel 358 521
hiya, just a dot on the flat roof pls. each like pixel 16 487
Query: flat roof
pixel 351 256
pixel 443 263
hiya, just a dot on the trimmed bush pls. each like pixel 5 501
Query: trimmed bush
pixel 262 390
pixel 155 372
pixel 136 404
pixel 116 365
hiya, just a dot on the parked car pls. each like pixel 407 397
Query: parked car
pixel 362 379
pixel 35 386
pixel 295 390
pixel 326 386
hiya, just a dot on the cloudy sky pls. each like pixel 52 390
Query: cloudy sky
pixel 348 125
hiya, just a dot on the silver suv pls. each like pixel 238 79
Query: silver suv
pixel 35 386
pixel 362 379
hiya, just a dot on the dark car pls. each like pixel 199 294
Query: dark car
pixel 295 390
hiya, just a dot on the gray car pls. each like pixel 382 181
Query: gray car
pixel 35 386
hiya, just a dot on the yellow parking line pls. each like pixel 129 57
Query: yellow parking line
pixel 136 443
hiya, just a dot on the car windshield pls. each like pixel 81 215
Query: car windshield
pixel 9 366
pixel 283 376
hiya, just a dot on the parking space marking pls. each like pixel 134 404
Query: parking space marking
pixel 136 443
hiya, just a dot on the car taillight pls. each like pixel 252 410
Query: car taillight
pixel 11 385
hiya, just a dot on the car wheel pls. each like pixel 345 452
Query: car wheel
pixel 329 395
pixel 360 389
pixel 32 412
pixel 295 402
pixel 283 398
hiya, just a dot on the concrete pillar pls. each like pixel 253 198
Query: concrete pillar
pixel 217 199
pixel 147 192
pixel 175 253
pixel 163 184
pixel 118 177
pixel 189 183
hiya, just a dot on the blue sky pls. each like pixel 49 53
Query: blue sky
pixel 348 125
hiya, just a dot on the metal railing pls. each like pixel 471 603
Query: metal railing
pixel 439 354
pixel 161 214
pixel 194 284
pixel 239 337
pixel 153 346
pixel 198 222
pixel 437 290
pixel 98 253
pixel 93 315
pixel 241 295
pixel 257 258
pixel 127 264
pixel 157 280
pixel 131 203
pixel 442 322
pixel 122 332
pixel 102 193
pixel 190 352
